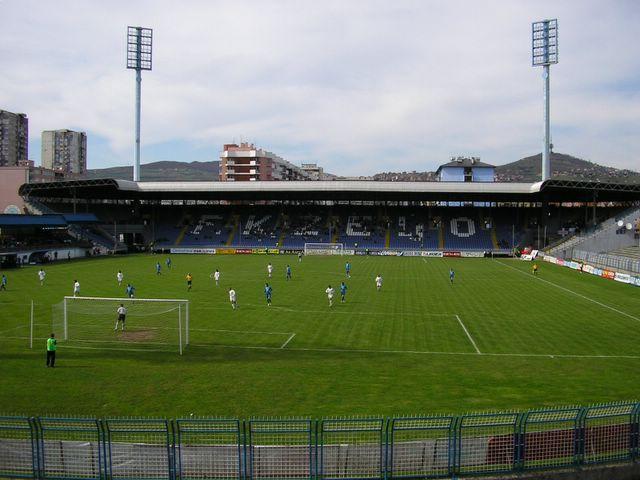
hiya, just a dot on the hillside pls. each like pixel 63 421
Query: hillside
pixel 163 172
pixel 528 170
pixel 563 166
pixel 524 170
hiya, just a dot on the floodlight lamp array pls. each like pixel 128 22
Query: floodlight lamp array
pixel 139 45
pixel 544 42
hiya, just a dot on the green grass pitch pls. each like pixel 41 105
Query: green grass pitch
pixel 498 338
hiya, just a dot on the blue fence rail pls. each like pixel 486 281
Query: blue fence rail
pixel 58 448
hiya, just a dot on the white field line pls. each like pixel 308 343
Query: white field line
pixel 571 292
pixel 76 347
pixel 423 352
pixel 468 335
pixel 288 340
pixel 368 351
pixel 222 330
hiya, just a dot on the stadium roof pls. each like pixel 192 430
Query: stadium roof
pixel 550 190
pixel 465 162
pixel 10 220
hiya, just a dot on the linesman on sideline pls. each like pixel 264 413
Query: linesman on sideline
pixel 3 282
pixel 52 345
pixel 534 269
pixel 122 316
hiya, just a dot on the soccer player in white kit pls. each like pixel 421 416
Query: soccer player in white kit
pixel 329 291
pixel 232 298
pixel 119 277
pixel 378 282
pixel 269 270
pixel 41 275
pixel 216 276
pixel 122 315
pixel 76 288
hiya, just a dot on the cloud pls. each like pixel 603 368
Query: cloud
pixel 358 87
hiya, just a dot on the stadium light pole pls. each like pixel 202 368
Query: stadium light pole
pixel 139 42
pixel 544 52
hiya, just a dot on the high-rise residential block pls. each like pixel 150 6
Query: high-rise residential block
pixel 65 151
pixel 14 138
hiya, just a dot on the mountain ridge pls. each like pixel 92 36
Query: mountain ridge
pixel 527 170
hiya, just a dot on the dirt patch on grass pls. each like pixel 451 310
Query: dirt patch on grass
pixel 137 336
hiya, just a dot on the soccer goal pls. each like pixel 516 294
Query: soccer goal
pixel 151 323
pixel 324 248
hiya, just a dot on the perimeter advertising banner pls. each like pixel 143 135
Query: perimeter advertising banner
pixel 451 254
pixel 209 251
pixel 472 254
pixel 244 251
pixel 608 274
pixel 623 277
pixel 226 251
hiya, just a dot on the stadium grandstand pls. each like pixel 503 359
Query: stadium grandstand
pixel 374 217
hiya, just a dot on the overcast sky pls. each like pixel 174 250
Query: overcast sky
pixel 356 86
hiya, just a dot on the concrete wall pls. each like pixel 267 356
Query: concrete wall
pixel 452 174
pixel 10 180
pixel 483 174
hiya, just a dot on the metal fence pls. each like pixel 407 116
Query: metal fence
pixel 60 448
pixel 607 260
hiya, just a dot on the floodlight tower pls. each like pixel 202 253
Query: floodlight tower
pixel 139 42
pixel 544 36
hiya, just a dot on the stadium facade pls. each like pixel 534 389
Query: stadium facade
pixel 454 217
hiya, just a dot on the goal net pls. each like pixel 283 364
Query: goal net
pixel 324 248
pixel 151 323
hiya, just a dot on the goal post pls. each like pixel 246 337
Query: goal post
pixel 324 248
pixel 151 323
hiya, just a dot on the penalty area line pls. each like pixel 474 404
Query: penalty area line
pixel 424 352
pixel 468 335
pixel 571 292
pixel 288 340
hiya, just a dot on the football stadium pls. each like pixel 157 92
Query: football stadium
pixel 262 320
pixel 459 324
